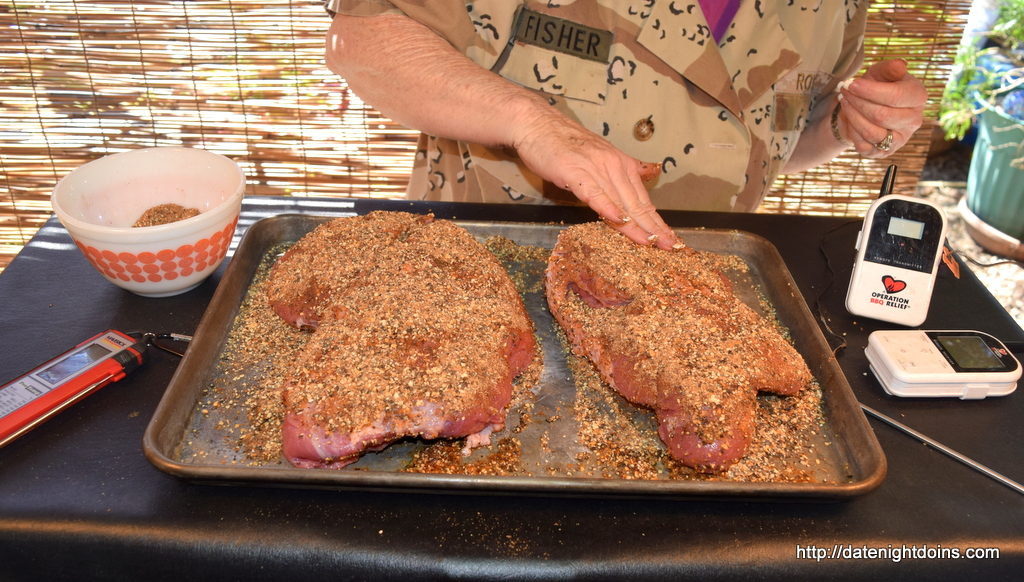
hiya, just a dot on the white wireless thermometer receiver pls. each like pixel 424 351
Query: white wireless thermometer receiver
pixel 898 252
pixel 962 363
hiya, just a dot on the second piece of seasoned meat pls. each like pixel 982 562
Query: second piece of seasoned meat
pixel 666 331
pixel 419 332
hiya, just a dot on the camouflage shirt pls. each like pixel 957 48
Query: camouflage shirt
pixel 722 119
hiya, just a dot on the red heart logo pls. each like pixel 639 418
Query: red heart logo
pixel 893 285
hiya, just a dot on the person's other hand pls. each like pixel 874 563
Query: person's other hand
pixel 609 181
pixel 887 99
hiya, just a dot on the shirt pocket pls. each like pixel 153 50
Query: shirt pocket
pixel 794 97
pixel 554 73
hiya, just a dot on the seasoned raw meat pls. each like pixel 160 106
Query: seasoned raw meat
pixel 419 332
pixel 334 260
pixel 666 331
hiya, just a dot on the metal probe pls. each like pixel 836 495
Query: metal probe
pixel 946 450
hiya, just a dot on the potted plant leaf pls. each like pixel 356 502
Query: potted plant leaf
pixel 987 91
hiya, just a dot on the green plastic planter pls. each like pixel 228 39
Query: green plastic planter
pixel 995 187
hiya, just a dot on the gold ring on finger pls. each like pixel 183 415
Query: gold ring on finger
pixel 886 144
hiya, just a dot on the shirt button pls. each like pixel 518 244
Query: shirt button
pixel 644 129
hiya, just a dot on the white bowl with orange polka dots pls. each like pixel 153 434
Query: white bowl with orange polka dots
pixel 100 201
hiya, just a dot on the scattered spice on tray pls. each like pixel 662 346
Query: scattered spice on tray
pixel 164 214
pixel 445 457
pixel 522 262
pixel 254 365
pixel 620 443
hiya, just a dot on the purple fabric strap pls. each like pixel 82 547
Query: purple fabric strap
pixel 719 14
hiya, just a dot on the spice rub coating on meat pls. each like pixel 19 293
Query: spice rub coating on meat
pixel 665 329
pixel 418 331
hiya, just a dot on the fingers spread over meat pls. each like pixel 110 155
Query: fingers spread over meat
pixel 418 332
pixel 667 332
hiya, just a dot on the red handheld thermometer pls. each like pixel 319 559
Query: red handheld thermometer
pixel 32 398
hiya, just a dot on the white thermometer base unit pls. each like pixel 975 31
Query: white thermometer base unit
pixel 964 364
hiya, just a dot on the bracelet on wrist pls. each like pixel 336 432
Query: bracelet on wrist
pixel 834 124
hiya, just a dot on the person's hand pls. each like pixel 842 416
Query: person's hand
pixel 609 181
pixel 882 109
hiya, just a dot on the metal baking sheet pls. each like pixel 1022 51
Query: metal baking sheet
pixel 185 436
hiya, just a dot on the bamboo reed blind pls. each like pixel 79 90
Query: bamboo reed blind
pixel 246 78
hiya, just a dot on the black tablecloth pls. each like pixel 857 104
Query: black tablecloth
pixel 79 500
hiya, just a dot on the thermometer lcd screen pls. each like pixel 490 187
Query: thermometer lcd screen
pixel 79 360
pixel 906 228
pixel 904 234
pixel 970 352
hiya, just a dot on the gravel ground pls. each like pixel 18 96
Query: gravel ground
pixel 1003 277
